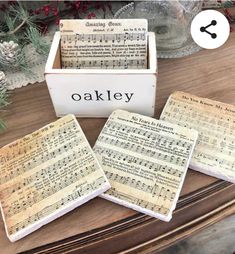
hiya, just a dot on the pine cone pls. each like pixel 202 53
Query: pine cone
pixel 3 80
pixel 9 52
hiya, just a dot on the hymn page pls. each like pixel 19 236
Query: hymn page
pixel 106 44
pixel 145 161
pixel 47 174
pixel 214 153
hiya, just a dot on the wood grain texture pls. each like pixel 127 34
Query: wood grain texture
pixel 104 227
pixel 218 238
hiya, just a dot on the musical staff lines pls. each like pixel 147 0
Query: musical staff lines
pixel 100 38
pixel 45 172
pixel 145 161
pixel 118 47
pixel 49 138
pixel 44 190
pixel 139 161
pixel 50 170
pixel 28 163
pixel 104 64
pixel 215 149
pixel 166 156
pixel 202 118
pixel 153 189
pixel 81 191
pixel 140 202
pixel 160 139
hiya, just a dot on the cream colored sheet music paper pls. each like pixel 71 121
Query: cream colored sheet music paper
pixel 145 161
pixel 98 43
pixel 215 121
pixel 47 174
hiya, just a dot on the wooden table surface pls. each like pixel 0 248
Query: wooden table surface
pixel 104 227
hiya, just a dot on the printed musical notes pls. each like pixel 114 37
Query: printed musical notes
pixel 47 174
pixel 145 161
pixel 105 44
pixel 215 121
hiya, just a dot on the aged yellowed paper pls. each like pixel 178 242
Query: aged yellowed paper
pixel 45 175
pixel 106 44
pixel 214 153
pixel 145 161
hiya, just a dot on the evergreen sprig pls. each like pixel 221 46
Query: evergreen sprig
pixel 16 18
pixel 228 4
pixel 19 27
pixel 40 44
pixel 3 103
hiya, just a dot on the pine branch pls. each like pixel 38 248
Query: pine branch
pixel 39 43
pixel 15 30
pixel 3 103
pixel 3 97
pixel 16 18
pixel 2 125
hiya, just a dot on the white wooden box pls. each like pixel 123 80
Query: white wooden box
pixel 98 92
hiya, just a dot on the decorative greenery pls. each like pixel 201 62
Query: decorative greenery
pixel 228 3
pixel 16 19
pixel 22 23
pixel 39 43
pixel 3 103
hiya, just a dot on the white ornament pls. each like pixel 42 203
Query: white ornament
pixel 9 52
